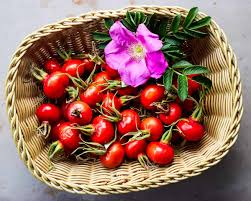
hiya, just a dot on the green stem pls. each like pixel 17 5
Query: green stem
pixel 125 99
pixel 107 117
pixel 177 72
pixel 137 135
pixel 55 148
pixel 64 55
pixel 89 147
pixel 39 74
pixel 144 161
pixel 197 114
pixel 174 123
pixel 113 111
pixel 86 130
pixel 73 93
pixel 78 82
pixel 111 85
pixel 89 79
pixel 167 136
pixel 193 99
pixel 114 139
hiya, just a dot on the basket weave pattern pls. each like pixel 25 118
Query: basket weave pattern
pixel 223 108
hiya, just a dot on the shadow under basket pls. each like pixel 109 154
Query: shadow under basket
pixel 223 109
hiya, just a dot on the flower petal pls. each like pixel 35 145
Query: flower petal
pixel 121 35
pixel 116 56
pixel 156 63
pixel 150 40
pixel 135 73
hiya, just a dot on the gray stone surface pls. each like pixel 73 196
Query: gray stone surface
pixel 229 180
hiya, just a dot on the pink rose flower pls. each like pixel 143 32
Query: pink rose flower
pixel 136 56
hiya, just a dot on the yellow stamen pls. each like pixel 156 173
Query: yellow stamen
pixel 137 51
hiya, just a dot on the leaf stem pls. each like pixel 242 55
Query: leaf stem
pixel 177 72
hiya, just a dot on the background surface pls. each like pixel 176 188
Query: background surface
pixel 230 180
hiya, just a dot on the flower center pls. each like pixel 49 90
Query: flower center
pixel 137 51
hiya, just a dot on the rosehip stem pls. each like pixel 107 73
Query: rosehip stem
pixel 109 117
pixel 77 81
pixel 55 149
pixel 160 106
pixel 86 130
pixel 126 98
pixel 64 55
pixel 142 112
pixel 89 79
pixel 197 114
pixel 111 85
pixel 193 99
pixel 107 145
pixel 73 93
pixel 39 74
pixel 89 148
pixel 174 123
pixel 202 95
pixel 95 57
pixel 44 129
pixel 80 56
pixel 167 136
pixel 137 135
pixel 144 161
pixel 188 96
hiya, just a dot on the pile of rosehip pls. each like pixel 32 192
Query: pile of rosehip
pixel 88 112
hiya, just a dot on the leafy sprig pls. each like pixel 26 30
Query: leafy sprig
pixel 103 38
pixel 181 31
pixel 182 69
pixel 189 28
pixel 173 33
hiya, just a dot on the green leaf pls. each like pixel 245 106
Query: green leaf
pixel 172 41
pixel 170 50
pixel 108 23
pixel 182 87
pixel 166 46
pixel 148 20
pixel 175 23
pixel 195 34
pixel 182 64
pixel 163 27
pixel 142 17
pixel 128 22
pixel 204 81
pixel 195 69
pixel 102 45
pixel 177 54
pixel 200 23
pixel 171 58
pixel 130 18
pixel 101 36
pixel 152 23
pixel 168 79
pixel 181 36
pixel 190 16
pixel 139 18
pixel 128 25
pixel 172 47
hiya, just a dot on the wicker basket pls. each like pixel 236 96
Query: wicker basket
pixel 223 107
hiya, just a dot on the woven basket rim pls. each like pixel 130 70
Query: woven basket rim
pixel 92 189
